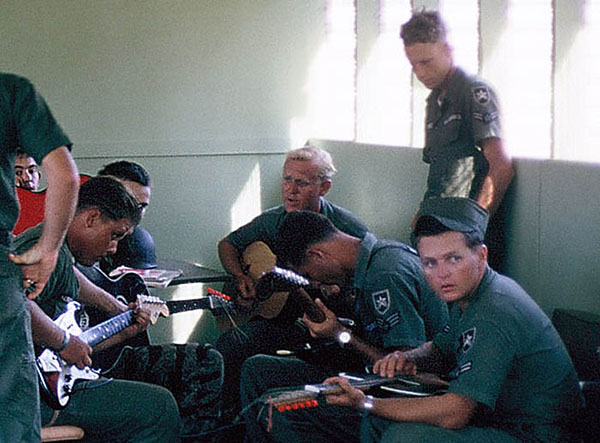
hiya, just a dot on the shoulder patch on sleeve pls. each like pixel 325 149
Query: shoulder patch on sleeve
pixel 381 301
pixel 481 94
pixel 467 340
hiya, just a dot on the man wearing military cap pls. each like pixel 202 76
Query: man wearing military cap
pixel 510 377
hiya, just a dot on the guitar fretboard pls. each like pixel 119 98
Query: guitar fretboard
pixel 106 329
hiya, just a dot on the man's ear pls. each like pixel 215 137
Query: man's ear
pixel 483 252
pixel 92 217
pixel 325 187
pixel 314 252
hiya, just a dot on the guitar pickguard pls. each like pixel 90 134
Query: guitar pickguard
pixel 60 377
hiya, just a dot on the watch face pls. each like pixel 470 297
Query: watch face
pixel 344 337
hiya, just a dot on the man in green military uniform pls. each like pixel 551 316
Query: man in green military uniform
pixel 463 137
pixel 306 179
pixel 394 308
pixel 26 122
pixel 123 410
pixel 511 378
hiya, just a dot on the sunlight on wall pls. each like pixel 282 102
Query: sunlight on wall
pixel 578 92
pixel 183 327
pixel 248 204
pixel 330 86
pixel 462 20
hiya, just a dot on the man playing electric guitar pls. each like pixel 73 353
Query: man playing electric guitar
pixel 192 372
pixel 306 179
pixel 127 411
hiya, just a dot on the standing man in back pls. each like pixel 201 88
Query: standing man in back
pixel 26 122
pixel 463 137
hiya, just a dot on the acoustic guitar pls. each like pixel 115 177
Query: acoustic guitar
pixel 272 285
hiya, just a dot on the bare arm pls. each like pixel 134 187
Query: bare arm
pixel 230 259
pixel 47 334
pixel 331 328
pixel 38 262
pixel 93 295
pixel 499 176
pixel 451 411
pixel 426 357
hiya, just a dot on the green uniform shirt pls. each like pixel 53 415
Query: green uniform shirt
pixel 62 283
pixel 395 305
pixel 265 227
pixel 25 122
pixel 468 114
pixel 509 357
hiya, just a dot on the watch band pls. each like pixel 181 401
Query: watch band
pixel 368 404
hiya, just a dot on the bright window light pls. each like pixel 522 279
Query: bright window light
pixel 577 107
pixel 330 88
pixel 384 82
pixel 519 65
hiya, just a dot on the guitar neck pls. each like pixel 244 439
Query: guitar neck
pixel 412 386
pixel 107 329
pixel 176 306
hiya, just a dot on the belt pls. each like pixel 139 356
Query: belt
pixel 5 237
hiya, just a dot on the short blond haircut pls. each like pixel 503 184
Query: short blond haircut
pixel 320 157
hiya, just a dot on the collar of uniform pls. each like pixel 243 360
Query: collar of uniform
pixel 452 90
pixel 488 275
pixel 364 257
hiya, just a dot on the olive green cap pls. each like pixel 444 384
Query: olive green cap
pixel 456 213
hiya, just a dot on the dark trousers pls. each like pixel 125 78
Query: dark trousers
pixel 323 423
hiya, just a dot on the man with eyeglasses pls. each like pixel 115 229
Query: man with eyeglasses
pixel 27 172
pixel 306 179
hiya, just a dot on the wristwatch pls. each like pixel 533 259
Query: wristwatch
pixel 344 337
pixel 367 405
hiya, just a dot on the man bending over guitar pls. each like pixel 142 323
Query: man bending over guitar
pixel 123 410
pixel 307 178
pixel 192 372
pixel 394 309
pixel 510 376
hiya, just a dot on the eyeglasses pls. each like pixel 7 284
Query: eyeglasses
pixel 142 206
pixel 299 182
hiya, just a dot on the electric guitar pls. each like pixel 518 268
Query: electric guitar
pixel 57 378
pixel 127 288
pixel 421 385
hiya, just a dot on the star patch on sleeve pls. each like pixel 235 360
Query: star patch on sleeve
pixel 381 301
pixel 481 95
pixel 467 340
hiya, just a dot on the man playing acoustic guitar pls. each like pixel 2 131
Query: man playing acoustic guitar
pixel 307 178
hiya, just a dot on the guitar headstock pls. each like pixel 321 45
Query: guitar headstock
pixel 277 280
pixel 155 305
